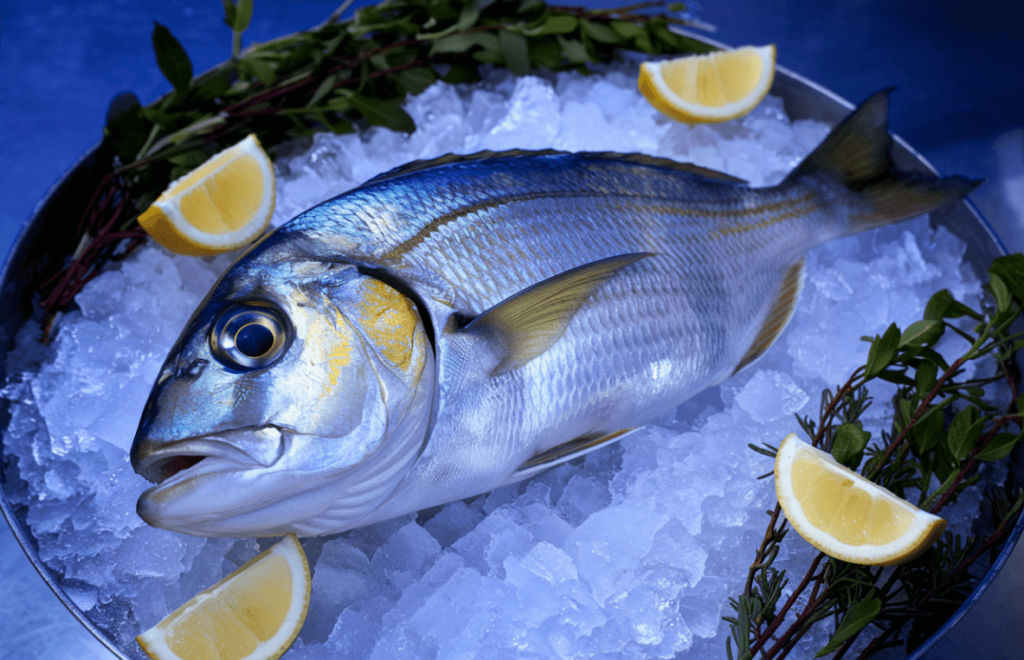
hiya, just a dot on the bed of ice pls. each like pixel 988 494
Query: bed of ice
pixel 631 552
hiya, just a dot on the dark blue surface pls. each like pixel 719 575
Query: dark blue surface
pixel 958 68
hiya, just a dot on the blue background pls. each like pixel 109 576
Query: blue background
pixel 958 68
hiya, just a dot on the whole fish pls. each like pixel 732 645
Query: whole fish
pixel 455 325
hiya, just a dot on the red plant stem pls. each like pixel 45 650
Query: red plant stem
pixel 830 410
pixel 999 423
pixel 81 270
pixel 759 557
pixel 953 368
pixel 781 614
pixel 97 210
pixel 943 584
pixel 883 594
pixel 107 178
pixel 998 533
pixel 85 223
pixel 118 211
pixel 1001 530
pixel 794 629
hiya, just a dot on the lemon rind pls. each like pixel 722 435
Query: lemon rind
pixel 668 102
pixel 922 533
pixel 153 641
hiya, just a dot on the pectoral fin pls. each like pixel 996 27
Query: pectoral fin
pixel 531 321
pixel 562 453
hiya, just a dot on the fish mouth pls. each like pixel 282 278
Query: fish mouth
pixel 162 462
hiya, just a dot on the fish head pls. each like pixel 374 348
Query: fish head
pixel 295 400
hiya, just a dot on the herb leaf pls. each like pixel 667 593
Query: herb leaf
pixel 416 79
pixel 964 431
pixel 1000 291
pixel 882 352
pixel 556 24
pixel 848 447
pixel 126 126
pixel 229 12
pixel 1010 270
pixel 859 615
pixel 999 447
pixel 172 58
pixel 942 305
pixel 243 15
pixel 516 52
pixel 922 333
pixel 388 114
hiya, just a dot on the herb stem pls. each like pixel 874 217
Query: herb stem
pixel 781 614
pixel 917 414
pixel 798 627
pixel 999 423
pixel 758 564
pixel 336 14
pixel 830 411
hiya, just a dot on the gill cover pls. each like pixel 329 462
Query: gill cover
pixel 294 401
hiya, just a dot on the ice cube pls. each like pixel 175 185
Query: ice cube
pixel 531 118
pixel 769 395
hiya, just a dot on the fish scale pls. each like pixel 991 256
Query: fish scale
pixel 668 309
pixel 459 324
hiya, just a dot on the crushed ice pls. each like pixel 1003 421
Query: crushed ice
pixel 630 552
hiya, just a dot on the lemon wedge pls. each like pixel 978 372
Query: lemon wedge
pixel 715 87
pixel 845 515
pixel 253 614
pixel 221 205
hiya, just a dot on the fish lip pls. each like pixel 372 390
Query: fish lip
pixel 157 460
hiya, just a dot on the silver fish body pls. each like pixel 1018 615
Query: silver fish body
pixel 457 325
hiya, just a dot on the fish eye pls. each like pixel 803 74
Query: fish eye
pixel 250 335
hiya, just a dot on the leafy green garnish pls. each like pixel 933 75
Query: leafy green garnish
pixel 338 76
pixel 943 426
pixel 172 59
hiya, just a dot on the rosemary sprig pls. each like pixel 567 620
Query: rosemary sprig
pixel 943 427
pixel 337 76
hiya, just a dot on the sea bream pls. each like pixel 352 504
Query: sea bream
pixel 456 325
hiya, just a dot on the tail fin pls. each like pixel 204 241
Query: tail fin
pixel 856 153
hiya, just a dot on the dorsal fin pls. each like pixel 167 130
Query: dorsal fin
pixel 778 315
pixel 640 159
pixel 562 453
pixel 531 321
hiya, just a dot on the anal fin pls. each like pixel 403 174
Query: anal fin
pixel 778 315
pixel 562 453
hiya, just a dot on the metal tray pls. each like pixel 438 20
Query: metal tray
pixel 45 241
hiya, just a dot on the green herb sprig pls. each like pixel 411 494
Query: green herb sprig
pixel 943 427
pixel 335 77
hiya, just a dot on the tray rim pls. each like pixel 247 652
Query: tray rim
pixel 784 77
